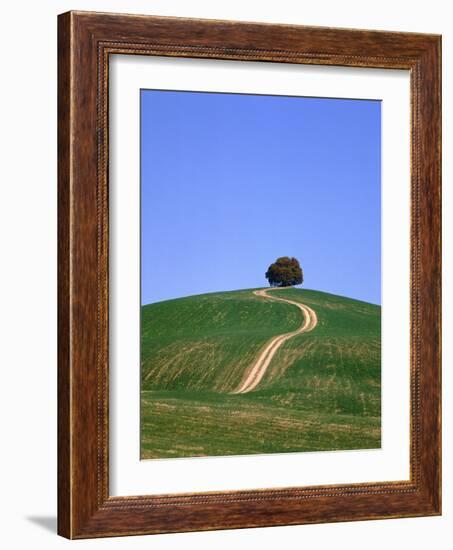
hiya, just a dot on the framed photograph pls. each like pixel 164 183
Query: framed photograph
pixel 249 275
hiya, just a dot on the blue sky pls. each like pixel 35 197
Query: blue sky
pixel 230 182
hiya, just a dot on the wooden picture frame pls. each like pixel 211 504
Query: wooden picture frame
pixel 85 42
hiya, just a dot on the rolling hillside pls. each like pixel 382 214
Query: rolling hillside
pixel 321 391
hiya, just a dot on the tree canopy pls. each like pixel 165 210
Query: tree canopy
pixel 285 271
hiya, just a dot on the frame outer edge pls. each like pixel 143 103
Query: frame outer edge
pixel 64 527
pixel 438 298
pixel 434 260
pixel 80 401
pixel 428 273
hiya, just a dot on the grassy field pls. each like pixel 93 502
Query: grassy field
pixel 321 391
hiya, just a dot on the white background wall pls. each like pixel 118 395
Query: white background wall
pixel 28 216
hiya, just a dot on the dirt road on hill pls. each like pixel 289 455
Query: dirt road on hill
pixel 254 375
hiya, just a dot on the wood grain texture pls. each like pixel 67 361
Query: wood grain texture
pixel 85 42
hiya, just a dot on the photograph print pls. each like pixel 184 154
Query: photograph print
pixel 260 274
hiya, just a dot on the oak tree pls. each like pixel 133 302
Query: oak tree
pixel 285 271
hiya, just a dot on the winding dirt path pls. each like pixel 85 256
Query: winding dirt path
pixel 254 375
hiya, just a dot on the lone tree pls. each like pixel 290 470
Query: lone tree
pixel 285 271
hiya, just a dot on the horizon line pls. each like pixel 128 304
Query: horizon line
pixel 295 287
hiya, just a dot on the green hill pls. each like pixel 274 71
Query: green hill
pixel 321 390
